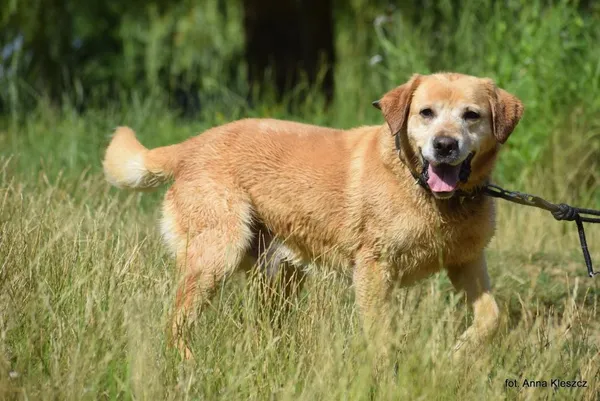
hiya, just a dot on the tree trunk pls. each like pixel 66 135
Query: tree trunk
pixel 290 37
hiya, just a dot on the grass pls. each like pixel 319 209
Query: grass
pixel 86 286
pixel 86 289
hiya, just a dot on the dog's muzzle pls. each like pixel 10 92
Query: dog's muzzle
pixel 442 180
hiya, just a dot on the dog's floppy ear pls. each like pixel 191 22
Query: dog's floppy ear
pixel 396 103
pixel 506 110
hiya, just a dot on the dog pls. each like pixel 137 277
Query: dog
pixel 388 204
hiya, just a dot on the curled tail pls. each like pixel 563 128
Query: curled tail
pixel 128 164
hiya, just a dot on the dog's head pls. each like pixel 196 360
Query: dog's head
pixel 442 119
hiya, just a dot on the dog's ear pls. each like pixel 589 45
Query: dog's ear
pixel 396 103
pixel 506 110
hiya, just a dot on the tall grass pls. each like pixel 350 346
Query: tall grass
pixel 86 286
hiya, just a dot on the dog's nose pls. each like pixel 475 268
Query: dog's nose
pixel 445 146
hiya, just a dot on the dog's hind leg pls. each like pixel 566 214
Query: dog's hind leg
pixel 280 279
pixel 280 287
pixel 284 274
pixel 219 237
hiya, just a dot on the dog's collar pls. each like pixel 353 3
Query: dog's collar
pixel 423 177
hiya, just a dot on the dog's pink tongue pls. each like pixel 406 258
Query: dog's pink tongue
pixel 443 178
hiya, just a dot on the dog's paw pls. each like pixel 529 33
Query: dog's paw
pixel 467 344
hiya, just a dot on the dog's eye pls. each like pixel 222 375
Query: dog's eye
pixel 471 115
pixel 427 113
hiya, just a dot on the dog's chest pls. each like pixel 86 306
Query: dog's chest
pixel 429 243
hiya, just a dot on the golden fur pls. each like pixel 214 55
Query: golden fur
pixel 335 198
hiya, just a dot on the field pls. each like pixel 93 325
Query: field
pixel 86 286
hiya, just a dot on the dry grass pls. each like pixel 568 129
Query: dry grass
pixel 86 288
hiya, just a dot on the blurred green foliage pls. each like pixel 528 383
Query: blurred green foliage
pixel 90 51
pixel 130 62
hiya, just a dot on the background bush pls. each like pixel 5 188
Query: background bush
pixel 189 55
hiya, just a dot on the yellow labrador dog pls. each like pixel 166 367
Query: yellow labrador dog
pixel 346 199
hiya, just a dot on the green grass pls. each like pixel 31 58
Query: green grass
pixel 86 286
pixel 86 289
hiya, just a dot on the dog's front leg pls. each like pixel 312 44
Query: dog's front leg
pixel 473 278
pixel 372 287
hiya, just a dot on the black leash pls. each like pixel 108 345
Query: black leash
pixel 561 211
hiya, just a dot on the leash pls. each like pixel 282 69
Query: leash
pixel 561 211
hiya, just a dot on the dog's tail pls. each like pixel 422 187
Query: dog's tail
pixel 128 164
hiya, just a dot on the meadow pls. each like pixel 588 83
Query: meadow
pixel 86 286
